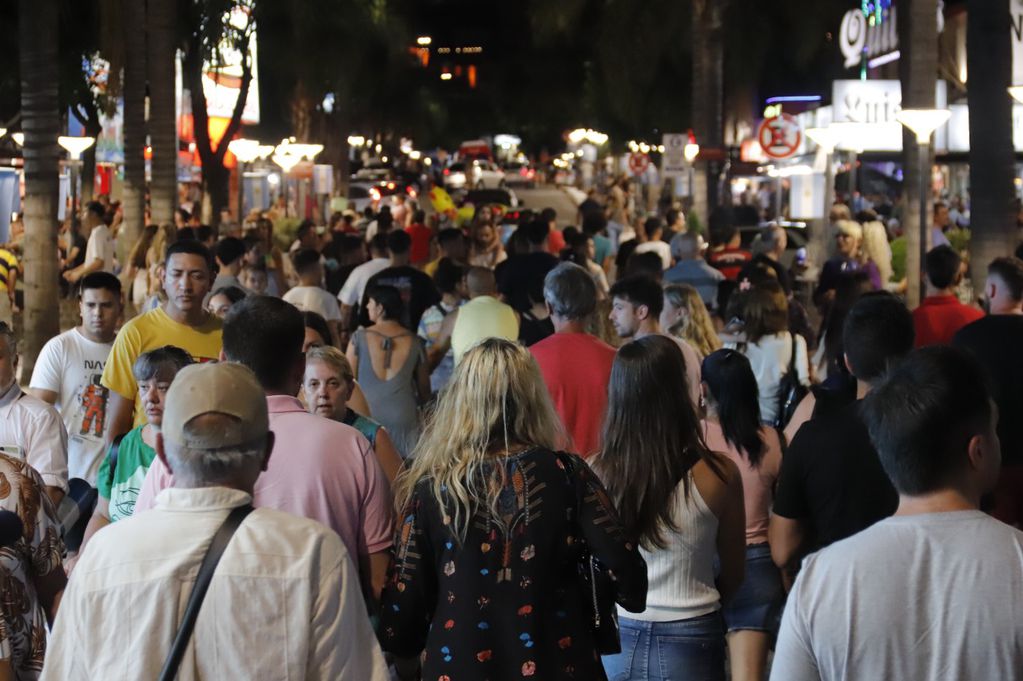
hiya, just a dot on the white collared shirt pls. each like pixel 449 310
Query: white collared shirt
pixel 284 603
pixel 32 431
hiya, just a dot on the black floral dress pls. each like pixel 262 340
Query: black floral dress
pixel 508 603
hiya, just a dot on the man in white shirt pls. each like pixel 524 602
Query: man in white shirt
pixel 30 429
pixel 933 592
pixel 654 228
pixel 284 602
pixel 99 251
pixel 68 371
pixel 309 295
pixel 355 286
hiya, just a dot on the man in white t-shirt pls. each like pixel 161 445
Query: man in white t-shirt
pixel 68 371
pixel 932 592
pixel 355 286
pixel 309 295
pixel 654 228
pixel 99 251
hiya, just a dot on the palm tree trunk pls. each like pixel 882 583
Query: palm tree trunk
pixel 160 36
pixel 918 70
pixel 133 198
pixel 989 64
pixel 707 100
pixel 38 30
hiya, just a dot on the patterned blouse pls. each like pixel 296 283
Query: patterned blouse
pixel 36 554
pixel 508 603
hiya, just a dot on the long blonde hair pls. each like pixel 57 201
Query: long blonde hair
pixel 496 399
pixel 697 328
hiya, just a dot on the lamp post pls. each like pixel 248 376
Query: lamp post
pixel 690 152
pixel 923 123
pixel 75 146
pixel 825 139
pixel 246 151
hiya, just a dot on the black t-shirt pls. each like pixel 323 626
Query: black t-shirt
pixel 533 330
pixel 996 341
pixel 516 275
pixel 831 478
pixel 417 292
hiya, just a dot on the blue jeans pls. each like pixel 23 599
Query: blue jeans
pixel 684 650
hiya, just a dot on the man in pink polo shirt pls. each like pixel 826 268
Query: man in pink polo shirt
pixel 319 468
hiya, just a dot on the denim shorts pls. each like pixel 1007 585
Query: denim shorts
pixel 689 650
pixel 758 604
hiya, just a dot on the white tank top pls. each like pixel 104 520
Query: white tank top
pixel 681 575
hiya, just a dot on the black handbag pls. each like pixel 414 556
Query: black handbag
pixel 598 590
pixel 790 391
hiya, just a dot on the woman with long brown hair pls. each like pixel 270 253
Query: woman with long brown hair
pixel 494 525
pixel 684 503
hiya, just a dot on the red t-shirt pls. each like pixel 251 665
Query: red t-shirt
pixel 419 251
pixel 555 242
pixel 729 261
pixel 576 368
pixel 939 317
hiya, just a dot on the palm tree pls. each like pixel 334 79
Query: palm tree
pixel 707 99
pixel 161 35
pixel 918 70
pixel 989 65
pixel 133 196
pixel 37 37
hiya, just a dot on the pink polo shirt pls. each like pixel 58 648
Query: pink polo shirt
pixel 319 469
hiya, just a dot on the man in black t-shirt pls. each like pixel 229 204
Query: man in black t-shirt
pixel 831 483
pixel 996 341
pixel 417 289
pixel 516 275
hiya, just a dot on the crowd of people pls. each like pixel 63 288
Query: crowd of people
pixel 603 449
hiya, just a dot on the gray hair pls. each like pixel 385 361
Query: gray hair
pixel 166 361
pixel 768 239
pixel 10 340
pixel 685 246
pixel 570 291
pixel 210 467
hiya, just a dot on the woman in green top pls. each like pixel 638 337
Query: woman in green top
pixel 119 488
pixel 328 385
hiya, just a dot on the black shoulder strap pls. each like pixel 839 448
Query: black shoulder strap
pixel 112 454
pixel 202 584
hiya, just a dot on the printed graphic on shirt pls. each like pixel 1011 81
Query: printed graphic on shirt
pixel 93 404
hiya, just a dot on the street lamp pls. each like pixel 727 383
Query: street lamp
pixel 923 123
pixel 19 138
pixel 1017 92
pixel 690 151
pixel 75 146
pixel 246 151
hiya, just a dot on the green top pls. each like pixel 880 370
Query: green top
pixel 134 457
pixel 368 427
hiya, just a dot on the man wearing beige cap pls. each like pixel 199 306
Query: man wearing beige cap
pixel 284 601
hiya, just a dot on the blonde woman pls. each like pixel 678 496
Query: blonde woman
pixel 685 316
pixel 494 524
pixel 328 385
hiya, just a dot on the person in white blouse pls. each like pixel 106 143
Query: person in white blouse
pixel 770 346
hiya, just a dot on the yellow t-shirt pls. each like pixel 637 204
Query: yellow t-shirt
pixel 150 331
pixel 8 263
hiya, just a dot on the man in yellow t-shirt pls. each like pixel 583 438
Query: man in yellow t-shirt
pixel 8 282
pixel 182 321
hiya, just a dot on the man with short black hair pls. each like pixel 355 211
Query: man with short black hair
pixel 576 366
pixel 280 578
pixel 726 251
pixel 451 244
pixel 99 251
pixel 636 304
pixel 933 592
pixel 415 286
pixel 309 295
pixel 68 371
pixel 230 256
pixel 181 321
pixel 995 341
pixel 831 483
pixel 321 469
pixel 516 274
pixel 355 286
pixel 654 228
pixel 940 314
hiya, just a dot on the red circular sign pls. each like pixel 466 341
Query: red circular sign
pixel 638 163
pixel 780 135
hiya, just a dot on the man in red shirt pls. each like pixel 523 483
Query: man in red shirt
pixel 419 252
pixel 726 252
pixel 940 314
pixel 575 365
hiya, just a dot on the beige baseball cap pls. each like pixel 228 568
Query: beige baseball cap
pixel 215 388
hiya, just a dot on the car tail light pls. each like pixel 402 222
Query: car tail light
pixel 447 171
pixel 512 215
pixel 411 191
pixel 390 185
pixel 374 193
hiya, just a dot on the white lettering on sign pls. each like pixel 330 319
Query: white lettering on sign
pixel 858 38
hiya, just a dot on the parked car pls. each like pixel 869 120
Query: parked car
pixel 520 175
pixel 797 239
pixel 473 175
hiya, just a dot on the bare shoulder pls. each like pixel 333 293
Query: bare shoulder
pixel 717 479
